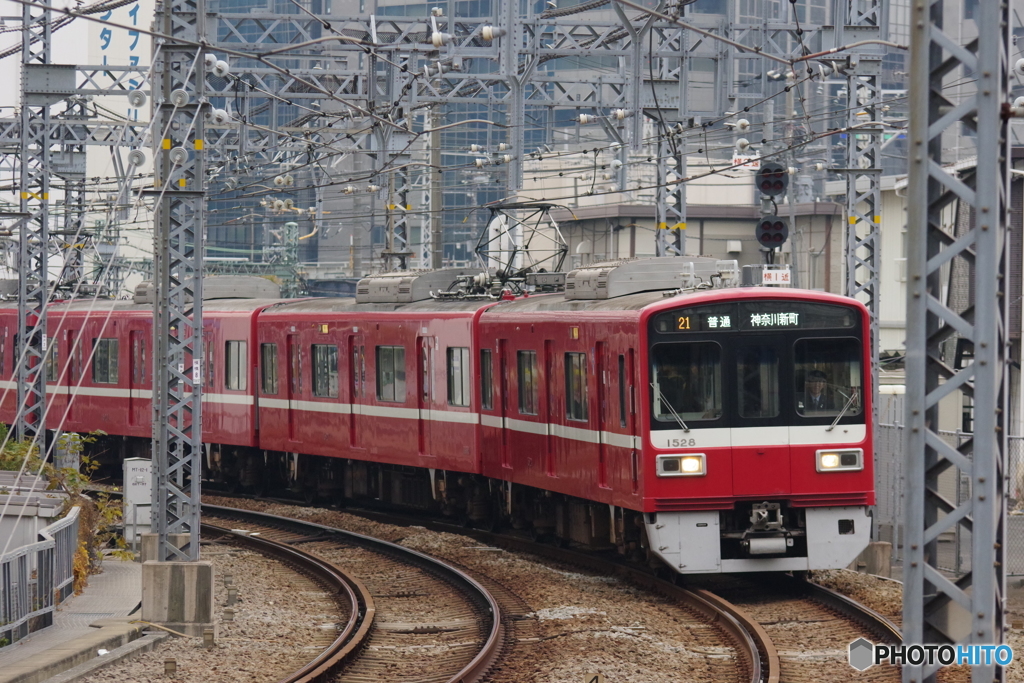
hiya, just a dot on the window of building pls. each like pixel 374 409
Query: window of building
pixel 391 373
pixel 576 386
pixel 486 380
pixel 458 376
pixel 104 361
pixel 51 362
pixel 234 366
pixel 529 382
pixel 268 367
pixel 325 370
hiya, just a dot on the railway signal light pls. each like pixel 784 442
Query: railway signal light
pixel 772 231
pixel 772 179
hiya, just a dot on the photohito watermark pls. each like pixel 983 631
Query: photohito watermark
pixel 864 654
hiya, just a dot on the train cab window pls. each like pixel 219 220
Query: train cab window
pixel 268 368
pixel 576 386
pixel 458 376
pixel 486 380
pixel 827 377
pixel 757 372
pixel 687 381
pixel 104 361
pixel 234 366
pixel 325 370
pixel 529 382
pixel 391 373
pixel 51 362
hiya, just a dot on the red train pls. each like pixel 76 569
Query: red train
pixel 715 428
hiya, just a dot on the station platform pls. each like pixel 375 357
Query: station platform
pixel 97 619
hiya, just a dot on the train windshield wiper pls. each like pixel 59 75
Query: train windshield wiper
pixel 839 417
pixel 670 408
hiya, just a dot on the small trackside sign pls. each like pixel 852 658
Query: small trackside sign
pixel 780 276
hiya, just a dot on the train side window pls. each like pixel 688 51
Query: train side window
pixel 325 370
pixel 51 362
pixel 529 382
pixel 622 390
pixel 234 366
pixel 104 361
pixel 486 380
pixel 458 376
pixel 757 370
pixel 3 351
pixel 268 368
pixel 391 373
pixel 576 386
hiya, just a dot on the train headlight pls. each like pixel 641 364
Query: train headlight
pixel 839 460
pixel 689 465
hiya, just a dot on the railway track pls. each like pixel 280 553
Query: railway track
pixel 411 617
pixel 743 652
pixel 810 625
pixel 781 629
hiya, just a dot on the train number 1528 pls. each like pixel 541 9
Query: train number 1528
pixel 681 443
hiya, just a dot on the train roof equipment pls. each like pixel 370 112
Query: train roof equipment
pixel 611 279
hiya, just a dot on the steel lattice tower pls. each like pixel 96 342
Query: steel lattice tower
pixel 969 609
pixel 179 111
pixel 33 272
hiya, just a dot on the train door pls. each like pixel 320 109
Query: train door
pixel 627 412
pixel 603 383
pixel 550 413
pixel 356 384
pixel 425 367
pixel 294 384
pixel 505 407
pixel 138 408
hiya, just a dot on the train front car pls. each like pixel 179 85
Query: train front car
pixel 758 455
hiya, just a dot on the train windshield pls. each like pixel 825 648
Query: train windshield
pixel 760 363
pixel 687 381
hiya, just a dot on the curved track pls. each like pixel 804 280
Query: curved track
pixel 423 615
pixel 810 625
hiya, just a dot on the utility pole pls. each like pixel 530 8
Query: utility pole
pixel 969 609
pixel 435 216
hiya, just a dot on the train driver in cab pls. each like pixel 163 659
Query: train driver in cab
pixel 817 398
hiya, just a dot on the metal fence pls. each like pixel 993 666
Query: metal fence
pixel 35 578
pixel 954 547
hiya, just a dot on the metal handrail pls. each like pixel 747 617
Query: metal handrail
pixel 37 577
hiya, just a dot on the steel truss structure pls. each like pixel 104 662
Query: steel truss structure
pixel 863 161
pixel 34 232
pixel 971 608
pixel 180 108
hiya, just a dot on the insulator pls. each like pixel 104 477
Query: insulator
pixel 136 98
pixel 178 156
pixel 221 68
pixel 743 144
pixel 584 119
pixel 373 188
pixel 136 158
pixel 279 180
pixel 480 163
pixel 179 98
pixel 620 114
pixel 349 189
pixel 743 125
pixel 438 39
pixel 489 33
pixel 502 146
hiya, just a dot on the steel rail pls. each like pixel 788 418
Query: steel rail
pixel 477 668
pixel 361 605
pixel 850 608
pixel 753 644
